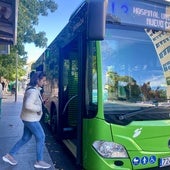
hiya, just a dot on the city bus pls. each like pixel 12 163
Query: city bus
pixel 108 84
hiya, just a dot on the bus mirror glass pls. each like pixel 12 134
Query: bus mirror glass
pixel 96 19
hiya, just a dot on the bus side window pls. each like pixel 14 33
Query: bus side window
pixel 91 90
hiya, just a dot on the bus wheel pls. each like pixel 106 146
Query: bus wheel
pixel 54 124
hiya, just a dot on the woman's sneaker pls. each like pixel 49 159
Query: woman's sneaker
pixel 8 158
pixel 42 164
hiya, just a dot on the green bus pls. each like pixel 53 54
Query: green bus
pixel 108 84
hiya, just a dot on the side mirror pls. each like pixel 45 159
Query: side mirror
pixel 96 19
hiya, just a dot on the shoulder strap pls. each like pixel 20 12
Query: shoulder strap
pixel 30 88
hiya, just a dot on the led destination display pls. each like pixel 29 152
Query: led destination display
pixel 139 13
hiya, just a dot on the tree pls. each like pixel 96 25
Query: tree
pixel 28 13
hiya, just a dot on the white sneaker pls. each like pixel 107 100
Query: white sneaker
pixel 42 164
pixel 8 158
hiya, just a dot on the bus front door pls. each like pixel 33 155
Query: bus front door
pixel 71 96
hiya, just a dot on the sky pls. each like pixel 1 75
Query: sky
pixel 52 25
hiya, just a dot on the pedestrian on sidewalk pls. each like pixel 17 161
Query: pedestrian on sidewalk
pixel 1 95
pixel 30 115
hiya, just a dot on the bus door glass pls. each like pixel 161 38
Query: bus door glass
pixel 69 79
pixel 136 65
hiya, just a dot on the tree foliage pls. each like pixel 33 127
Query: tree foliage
pixel 28 14
pixel 28 17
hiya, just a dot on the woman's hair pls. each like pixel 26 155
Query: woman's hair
pixel 35 77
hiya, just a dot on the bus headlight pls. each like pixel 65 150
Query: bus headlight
pixel 110 149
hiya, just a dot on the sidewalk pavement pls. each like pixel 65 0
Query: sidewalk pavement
pixel 11 128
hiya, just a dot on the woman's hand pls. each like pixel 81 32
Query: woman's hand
pixel 45 99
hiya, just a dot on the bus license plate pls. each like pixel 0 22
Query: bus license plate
pixel 164 162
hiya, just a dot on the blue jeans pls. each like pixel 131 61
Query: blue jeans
pixel 0 106
pixel 31 128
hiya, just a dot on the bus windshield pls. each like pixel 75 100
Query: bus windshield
pixel 135 70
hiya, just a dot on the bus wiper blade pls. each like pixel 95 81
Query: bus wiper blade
pixel 125 116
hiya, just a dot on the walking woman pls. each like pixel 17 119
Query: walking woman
pixel 31 114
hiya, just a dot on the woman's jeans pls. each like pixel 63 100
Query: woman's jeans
pixel 31 128
pixel 0 106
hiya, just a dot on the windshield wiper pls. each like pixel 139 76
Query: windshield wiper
pixel 125 116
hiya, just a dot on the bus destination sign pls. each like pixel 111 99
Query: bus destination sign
pixel 139 13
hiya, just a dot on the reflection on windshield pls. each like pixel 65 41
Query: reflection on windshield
pixel 133 70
